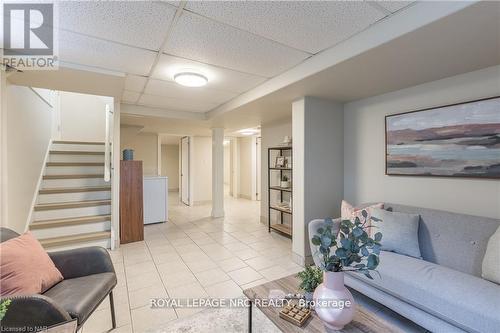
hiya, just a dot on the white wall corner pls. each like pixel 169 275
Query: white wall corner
pixel 217 172
pixel 115 183
pixel 298 156
pixel 37 187
pixel 318 177
pixel 254 168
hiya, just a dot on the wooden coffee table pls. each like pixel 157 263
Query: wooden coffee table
pixel 364 321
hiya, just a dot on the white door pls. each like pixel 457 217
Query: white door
pixel 258 167
pixel 185 170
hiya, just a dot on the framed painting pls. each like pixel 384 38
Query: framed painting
pixel 458 140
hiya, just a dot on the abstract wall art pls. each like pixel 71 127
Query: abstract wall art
pixel 459 140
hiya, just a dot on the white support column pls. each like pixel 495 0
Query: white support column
pixel 217 172
pixel 318 167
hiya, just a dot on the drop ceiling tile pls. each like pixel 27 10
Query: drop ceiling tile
pixel 198 38
pixel 83 50
pixel 130 96
pixel 218 77
pixel 139 23
pixel 200 94
pixel 394 6
pixel 135 83
pixel 175 104
pixel 305 25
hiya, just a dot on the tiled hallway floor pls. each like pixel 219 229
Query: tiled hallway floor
pixel 192 256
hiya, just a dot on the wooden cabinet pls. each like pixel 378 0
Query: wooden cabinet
pixel 131 204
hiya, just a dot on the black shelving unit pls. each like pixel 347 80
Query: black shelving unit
pixel 280 227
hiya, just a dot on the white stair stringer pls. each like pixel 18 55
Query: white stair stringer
pixel 73 206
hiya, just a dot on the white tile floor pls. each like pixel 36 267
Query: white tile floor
pixel 194 256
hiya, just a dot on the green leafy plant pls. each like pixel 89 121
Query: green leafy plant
pixel 348 247
pixel 3 308
pixel 310 278
pixel 284 178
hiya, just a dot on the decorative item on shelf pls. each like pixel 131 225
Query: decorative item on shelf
pixel 284 182
pixel 287 141
pixel 310 278
pixel 283 205
pixel 288 162
pixel 128 154
pixel 280 162
pixel 344 247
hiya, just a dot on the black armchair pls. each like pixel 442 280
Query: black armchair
pixel 89 277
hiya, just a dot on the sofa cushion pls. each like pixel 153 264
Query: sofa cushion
pixel 491 261
pixel 25 267
pixel 349 212
pixel 463 300
pixel 399 232
pixel 457 241
pixel 80 296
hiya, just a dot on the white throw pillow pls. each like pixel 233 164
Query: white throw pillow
pixel 491 260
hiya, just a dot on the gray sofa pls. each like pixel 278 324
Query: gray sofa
pixel 89 277
pixel 444 292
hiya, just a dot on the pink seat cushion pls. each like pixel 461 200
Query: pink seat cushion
pixel 349 212
pixel 25 267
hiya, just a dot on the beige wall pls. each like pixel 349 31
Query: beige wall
pixel 245 163
pixel 28 131
pixel 364 163
pixel 145 146
pixel 272 135
pixel 83 117
pixel 201 166
pixel 170 165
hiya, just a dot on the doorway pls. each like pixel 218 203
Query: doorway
pixel 184 188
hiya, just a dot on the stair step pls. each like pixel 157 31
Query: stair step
pixel 78 238
pixel 72 176
pixel 68 164
pixel 62 142
pixel 67 205
pixel 74 189
pixel 41 224
pixel 75 152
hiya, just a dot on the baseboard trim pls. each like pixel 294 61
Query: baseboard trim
pixel 244 196
pixel 201 202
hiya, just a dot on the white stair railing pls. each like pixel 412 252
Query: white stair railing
pixel 108 144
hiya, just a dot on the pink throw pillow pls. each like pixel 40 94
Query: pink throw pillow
pixel 349 212
pixel 25 267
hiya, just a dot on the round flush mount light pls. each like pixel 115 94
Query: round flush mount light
pixel 190 79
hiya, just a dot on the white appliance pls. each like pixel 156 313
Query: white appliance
pixel 155 196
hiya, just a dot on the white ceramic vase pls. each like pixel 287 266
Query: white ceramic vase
pixel 328 298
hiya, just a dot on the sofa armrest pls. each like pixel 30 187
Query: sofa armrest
pixel 82 262
pixel 31 313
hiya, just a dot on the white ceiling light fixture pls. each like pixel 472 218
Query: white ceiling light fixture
pixel 190 78
pixel 249 131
